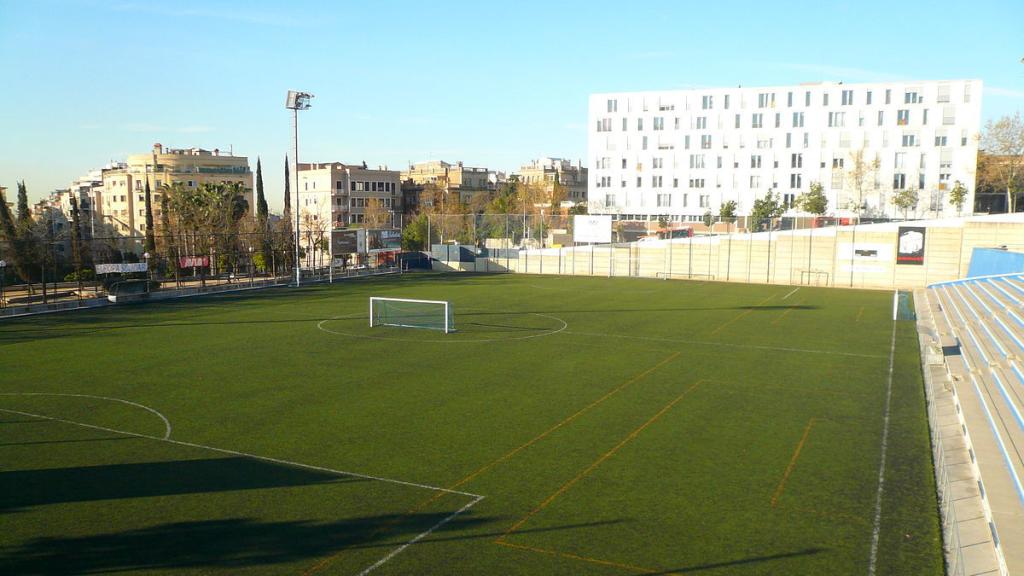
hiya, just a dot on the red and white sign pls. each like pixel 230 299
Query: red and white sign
pixel 193 261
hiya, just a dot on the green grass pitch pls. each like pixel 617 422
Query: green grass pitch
pixel 569 426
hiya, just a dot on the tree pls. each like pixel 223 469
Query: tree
pixel 24 213
pixel 814 201
pixel 861 175
pixel 905 200
pixel 1004 139
pixel 150 244
pixel 663 222
pixel 10 234
pixel 262 211
pixel 709 218
pixel 727 211
pixel 414 235
pixel 169 245
pixel 764 210
pixel 287 235
pixel 958 196
pixel 376 215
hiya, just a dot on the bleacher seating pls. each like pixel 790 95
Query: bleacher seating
pixel 980 325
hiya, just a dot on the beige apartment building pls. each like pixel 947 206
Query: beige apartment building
pixel 123 206
pixel 552 170
pixel 466 181
pixel 335 195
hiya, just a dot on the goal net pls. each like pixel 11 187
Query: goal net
pixel 408 313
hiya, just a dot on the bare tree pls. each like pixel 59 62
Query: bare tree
pixel 861 174
pixel 1003 140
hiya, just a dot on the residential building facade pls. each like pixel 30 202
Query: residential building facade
pixel 334 195
pixel 684 153
pixel 123 207
pixel 552 170
pixel 467 181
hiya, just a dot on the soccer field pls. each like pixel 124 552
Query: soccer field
pixel 569 426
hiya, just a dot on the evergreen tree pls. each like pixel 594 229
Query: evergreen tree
pixel 9 233
pixel 165 231
pixel 150 245
pixel 261 201
pixel 287 188
pixel 24 214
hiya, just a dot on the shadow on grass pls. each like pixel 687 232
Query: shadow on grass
pixel 738 563
pixel 21 489
pixel 227 544
pixel 35 442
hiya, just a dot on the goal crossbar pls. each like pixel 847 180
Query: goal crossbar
pixel 411 313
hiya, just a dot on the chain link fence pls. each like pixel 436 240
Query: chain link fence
pixel 795 251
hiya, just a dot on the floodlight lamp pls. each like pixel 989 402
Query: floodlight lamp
pixel 297 100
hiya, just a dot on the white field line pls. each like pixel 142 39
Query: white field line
pixel 726 344
pixel 320 326
pixel 791 292
pixel 420 536
pixel 476 497
pixel 876 527
pixel 167 423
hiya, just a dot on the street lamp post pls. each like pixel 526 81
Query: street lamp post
pixel 3 273
pixel 297 101
pixel 251 267
pixel 149 273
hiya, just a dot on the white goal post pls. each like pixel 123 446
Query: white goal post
pixel 411 313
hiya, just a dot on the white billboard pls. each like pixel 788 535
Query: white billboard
pixel 587 228
pixel 121 268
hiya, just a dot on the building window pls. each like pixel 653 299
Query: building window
pixel 902 117
pixel 789 99
pixel 737 121
pixel 796 161
pixel 705 141
pixel 755 161
pixel 613 105
pixel 788 200
pixel 657 162
pixel 726 107
pixel 757 120
pixel 707 102
pixel 795 181
pixel 664 200
pixel 798 119
pixel 659 123
pixel 940 138
pixel 888 96
pixel 807 99
pixel 638 182
pixel 899 181
pixel 868 98
pixel 655 181
pixel 838 163
pixel 909 140
pixel 836 119
pixel 700 122
pixel 755 182
pixel 948 115
pixel 705 201
pixel 911 97
pixel 847 97
pixel 696 182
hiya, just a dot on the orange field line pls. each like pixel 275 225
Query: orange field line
pixel 741 315
pixel 792 463
pixel 571 556
pixel 786 313
pixel 437 495
pixel 565 487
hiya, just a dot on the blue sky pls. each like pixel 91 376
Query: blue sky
pixel 490 83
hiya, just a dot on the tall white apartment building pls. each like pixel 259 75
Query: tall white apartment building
pixel 682 153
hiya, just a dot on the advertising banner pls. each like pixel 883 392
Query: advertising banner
pixel 193 261
pixel 910 245
pixel 122 268
pixel 588 228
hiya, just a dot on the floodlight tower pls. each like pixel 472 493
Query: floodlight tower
pixel 297 101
